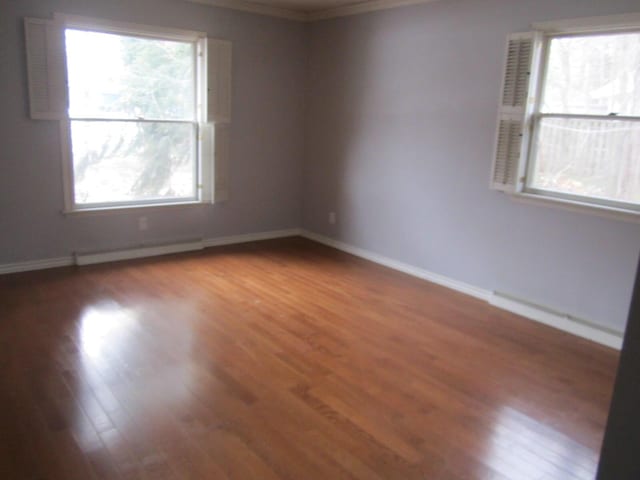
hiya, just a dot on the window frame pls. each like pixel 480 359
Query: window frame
pixel 202 141
pixel 520 90
pixel 536 116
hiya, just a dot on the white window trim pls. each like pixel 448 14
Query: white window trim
pixel 536 116
pixel 203 181
pixel 523 193
pixel 127 28
pixel 589 24
pixel 524 197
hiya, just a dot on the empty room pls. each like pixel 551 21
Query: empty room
pixel 319 239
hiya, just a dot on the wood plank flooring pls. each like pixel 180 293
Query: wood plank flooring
pixel 285 360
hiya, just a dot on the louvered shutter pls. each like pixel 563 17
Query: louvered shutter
pixel 513 131
pixel 221 162
pixel 46 69
pixel 218 81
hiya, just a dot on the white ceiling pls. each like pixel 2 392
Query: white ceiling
pixel 309 10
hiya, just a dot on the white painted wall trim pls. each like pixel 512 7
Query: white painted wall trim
pixel 631 216
pixel 153 251
pixel 362 7
pixel 589 24
pixel 539 313
pixel 359 6
pixel 559 320
pixel 30 265
pixel 254 7
pixel 148 251
pixel 141 252
pixel 251 237
pixel 400 266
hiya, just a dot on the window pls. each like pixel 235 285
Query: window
pixel 143 111
pixel 569 126
pixel 133 118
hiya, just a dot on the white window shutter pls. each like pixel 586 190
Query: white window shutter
pixel 221 162
pixel 218 81
pixel 207 149
pixel 513 131
pixel 46 68
pixel 219 113
pixel 507 157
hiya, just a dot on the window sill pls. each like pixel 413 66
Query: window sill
pixel 134 208
pixel 625 215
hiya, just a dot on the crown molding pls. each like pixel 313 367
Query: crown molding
pixel 253 7
pixel 363 7
pixel 343 11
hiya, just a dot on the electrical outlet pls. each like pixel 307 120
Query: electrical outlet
pixel 332 218
pixel 143 223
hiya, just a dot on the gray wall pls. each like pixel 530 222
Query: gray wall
pixel 267 133
pixel 400 127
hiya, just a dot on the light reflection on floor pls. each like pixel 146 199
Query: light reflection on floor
pixel 115 365
pixel 104 325
pixel 522 448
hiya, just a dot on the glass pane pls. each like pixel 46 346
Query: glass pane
pixel 130 161
pixel 595 158
pixel 595 75
pixel 116 76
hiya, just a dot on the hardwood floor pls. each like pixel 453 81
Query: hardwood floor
pixel 285 360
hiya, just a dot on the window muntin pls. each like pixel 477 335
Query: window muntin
pixel 586 142
pixel 133 119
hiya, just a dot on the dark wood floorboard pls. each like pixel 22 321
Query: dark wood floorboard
pixel 285 359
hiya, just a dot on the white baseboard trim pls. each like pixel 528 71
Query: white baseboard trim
pixel 250 237
pixel 559 320
pixel 141 252
pixel 30 265
pixel 153 251
pixel 149 251
pixel 400 266
pixel 538 313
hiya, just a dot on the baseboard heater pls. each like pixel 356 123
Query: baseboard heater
pixel 559 320
pixel 138 252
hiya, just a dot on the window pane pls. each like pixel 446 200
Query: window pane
pixel 595 158
pixel 130 161
pixel 116 76
pixel 595 75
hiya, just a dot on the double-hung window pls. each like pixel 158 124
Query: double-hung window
pixel 143 111
pixel 569 125
pixel 133 118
